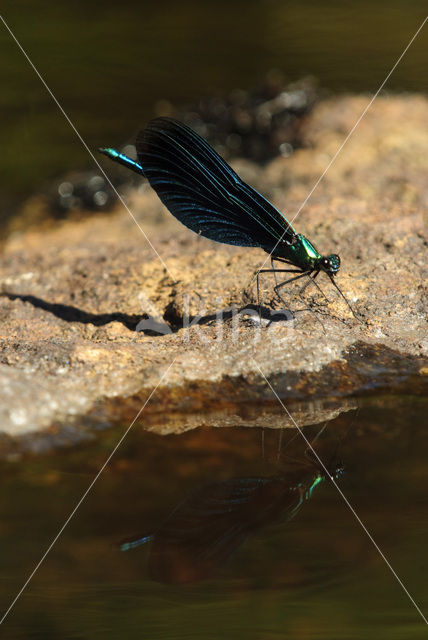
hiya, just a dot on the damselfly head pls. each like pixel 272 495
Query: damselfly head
pixel 337 470
pixel 330 264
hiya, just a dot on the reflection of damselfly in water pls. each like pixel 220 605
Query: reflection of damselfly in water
pixel 211 523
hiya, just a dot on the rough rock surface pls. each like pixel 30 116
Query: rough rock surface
pixel 72 297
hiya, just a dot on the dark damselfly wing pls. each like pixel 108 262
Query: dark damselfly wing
pixel 203 192
pixel 211 523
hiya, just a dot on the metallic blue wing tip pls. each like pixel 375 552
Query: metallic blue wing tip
pixel 131 544
pixel 108 151
pixel 122 159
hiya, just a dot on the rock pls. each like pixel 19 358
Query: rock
pixel 91 319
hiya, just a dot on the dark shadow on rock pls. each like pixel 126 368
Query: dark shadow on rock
pixel 73 314
pixel 248 312
pixel 171 322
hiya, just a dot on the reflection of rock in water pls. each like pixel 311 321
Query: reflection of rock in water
pixel 211 523
pixel 258 414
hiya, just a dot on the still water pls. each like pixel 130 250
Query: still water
pixel 308 572
pixel 112 64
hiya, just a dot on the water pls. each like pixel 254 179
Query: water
pixel 316 576
pixel 109 64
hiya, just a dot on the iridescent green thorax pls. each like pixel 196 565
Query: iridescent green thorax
pixel 317 480
pixel 305 492
pixel 300 252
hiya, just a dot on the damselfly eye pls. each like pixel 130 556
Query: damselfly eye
pixel 330 264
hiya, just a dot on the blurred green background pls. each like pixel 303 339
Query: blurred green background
pixel 109 63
